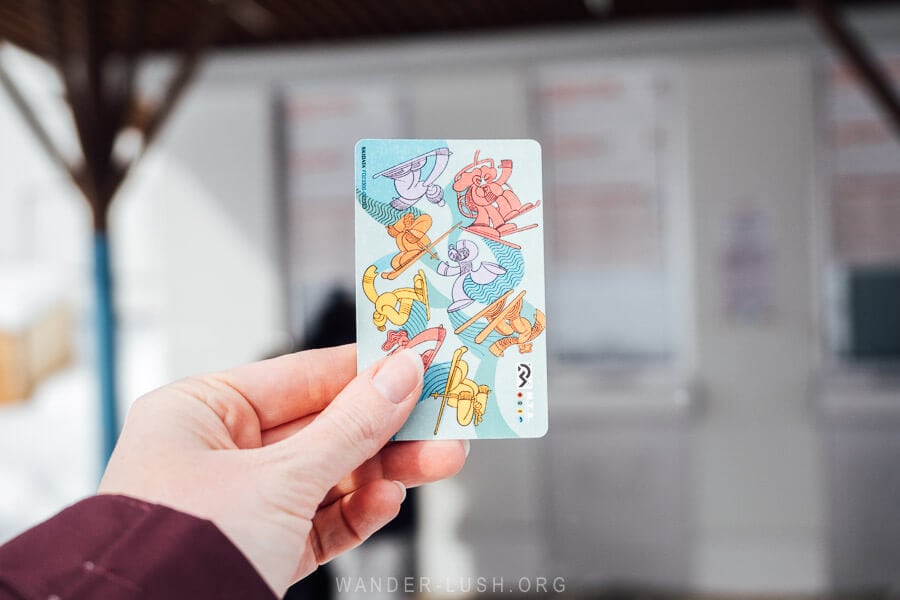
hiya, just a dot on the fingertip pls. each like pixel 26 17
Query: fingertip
pixel 375 505
pixel 462 456
pixel 353 518
pixel 399 376
pixel 402 490
pixel 444 459
pixel 412 360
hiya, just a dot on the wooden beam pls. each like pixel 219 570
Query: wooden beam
pixel 875 78
pixel 123 96
pixel 102 94
pixel 190 59
pixel 210 28
pixel 35 125
pixel 96 90
pixel 92 87
pixel 71 62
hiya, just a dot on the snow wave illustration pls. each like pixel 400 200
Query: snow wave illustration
pixel 383 212
pixel 417 323
pixel 508 258
pixel 435 380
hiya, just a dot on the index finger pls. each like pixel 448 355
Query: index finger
pixel 288 387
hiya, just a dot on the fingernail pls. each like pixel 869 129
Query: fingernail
pixel 399 376
pixel 467 446
pixel 402 490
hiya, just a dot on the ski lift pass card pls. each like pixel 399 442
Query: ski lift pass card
pixel 450 263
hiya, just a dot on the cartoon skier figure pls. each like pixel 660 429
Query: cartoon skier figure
pixel 507 320
pixel 484 194
pixel 411 235
pixel 409 182
pixel 463 255
pixel 395 306
pixel 468 397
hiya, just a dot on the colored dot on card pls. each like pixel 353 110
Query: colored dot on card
pixel 519 394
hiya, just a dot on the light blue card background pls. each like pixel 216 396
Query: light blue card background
pixel 507 414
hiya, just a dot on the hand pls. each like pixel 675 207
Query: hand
pixel 286 456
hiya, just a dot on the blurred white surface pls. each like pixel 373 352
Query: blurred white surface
pixel 49 444
pixel 48 451
pixel 26 292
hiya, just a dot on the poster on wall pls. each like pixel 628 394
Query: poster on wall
pixel 747 265
pixel 607 131
pixel 321 127
pixel 862 164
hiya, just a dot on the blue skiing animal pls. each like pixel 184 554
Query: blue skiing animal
pixel 461 263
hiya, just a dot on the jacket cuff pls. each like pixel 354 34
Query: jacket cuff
pixel 119 547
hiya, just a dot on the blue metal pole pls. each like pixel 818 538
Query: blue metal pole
pixel 106 345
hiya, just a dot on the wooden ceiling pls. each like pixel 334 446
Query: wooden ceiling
pixel 167 24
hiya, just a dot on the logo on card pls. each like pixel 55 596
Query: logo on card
pixel 523 376
pixel 525 400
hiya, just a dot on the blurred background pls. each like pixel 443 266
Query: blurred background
pixel 722 189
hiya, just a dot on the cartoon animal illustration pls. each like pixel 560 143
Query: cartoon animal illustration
pixel 410 185
pixel 398 339
pixel 395 306
pixel 462 256
pixel 411 235
pixel 508 321
pixel 465 395
pixel 484 195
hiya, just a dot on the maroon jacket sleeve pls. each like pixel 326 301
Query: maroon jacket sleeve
pixel 115 547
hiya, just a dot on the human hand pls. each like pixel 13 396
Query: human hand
pixel 286 456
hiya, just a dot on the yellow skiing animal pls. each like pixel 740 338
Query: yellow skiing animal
pixel 395 306
pixel 467 397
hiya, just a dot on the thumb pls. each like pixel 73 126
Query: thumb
pixel 360 420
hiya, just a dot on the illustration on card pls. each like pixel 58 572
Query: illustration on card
pixel 508 322
pixel 395 306
pixel 461 264
pixel 410 233
pixel 484 194
pixel 449 279
pixel 408 181
pixel 464 394
pixel 398 339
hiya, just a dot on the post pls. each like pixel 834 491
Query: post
pixel 106 345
